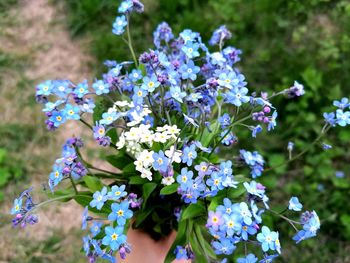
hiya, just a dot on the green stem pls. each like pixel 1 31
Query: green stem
pixel 322 133
pixel 73 184
pixel 130 42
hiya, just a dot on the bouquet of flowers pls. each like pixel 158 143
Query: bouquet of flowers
pixel 171 120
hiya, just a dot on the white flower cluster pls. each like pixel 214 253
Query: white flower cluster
pixel 137 136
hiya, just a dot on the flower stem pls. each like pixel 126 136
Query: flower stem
pixel 130 42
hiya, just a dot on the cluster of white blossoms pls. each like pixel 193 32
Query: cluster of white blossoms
pixel 136 137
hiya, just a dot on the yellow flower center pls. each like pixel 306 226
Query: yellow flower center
pixel 120 213
pixel 114 236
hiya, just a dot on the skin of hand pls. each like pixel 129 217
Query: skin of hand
pixel 146 250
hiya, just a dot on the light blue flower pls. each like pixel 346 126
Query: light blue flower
pixel 294 204
pixel 100 197
pixel 114 237
pixel 120 213
pixel 17 205
pixel 117 192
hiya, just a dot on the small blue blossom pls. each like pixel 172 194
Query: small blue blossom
pixel 163 32
pixel 343 118
pixel 119 25
pixel 95 228
pixel 228 80
pixel 294 204
pixel 225 120
pixel 135 75
pixel 114 237
pixel 267 239
pixel 117 192
pixel 56 175
pixel 250 258
pixel 326 146
pixel 125 6
pixel 342 104
pixel 191 50
pixel 81 89
pixel 330 118
pixel 189 71
pixel 120 213
pixel 223 246
pixel 17 205
pixel 100 197
pixel 228 138
pixel 150 84
pixel 100 87
pixel 189 154
pixel 58 118
pixel 203 169
pixel 72 112
pixel 160 161
pixel 177 93
pixel 339 174
pixel 44 88
pixel 180 253
pixel 185 179
pixel 237 96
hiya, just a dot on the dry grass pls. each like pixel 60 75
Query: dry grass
pixel 36 46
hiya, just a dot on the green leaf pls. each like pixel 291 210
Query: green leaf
pixel 207 248
pixel 93 183
pixel 136 179
pixel 193 210
pixel 313 78
pixel 4 176
pixel 141 216
pixel 120 161
pixel 197 250
pixel 169 189
pixel 147 189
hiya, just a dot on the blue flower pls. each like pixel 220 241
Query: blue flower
pixel 95 228
pixel 72 112
pixel 191 50
pixel 255 130
pixel 119 25
pixel 117 192
pixel 342 104
pixel 125 6
pixel 272 122
pixel 245 213
pixel 160 161
pixel 163 32
pixel 17 205
pixel 120 213
pixel 267 239
pixel 188 35
pixel 81 89
pixel 302 235
pixel 343 118
pixel 330 118
pixel 229 80
pixel 219 35
pixel 100 87
pixel 215 181
pixel 58 118
pixel 203 169
pixel 248 230
pixel 326 146
pixel 86 245
pixel 189 71
pixel 339 174
pixel 56 175
pixel 250 258
pixel 100 197
pixel 180 253
pixel 227 208
pixel 237 96
pixel 189 154
pixel 294 204
pixel 223 246
pixel 109 117
pixel 185 179
pixel 194 97
pixel 61 88
pixel 85 218
pixel 150 84
pixel 228 138
pixel 135 75
pixel 139 94
pixel 177 93
pixel 44 88
pixel 225 120
pixel 114 237
pixel 232 224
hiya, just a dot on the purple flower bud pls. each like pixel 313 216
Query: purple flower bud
pixel 267 109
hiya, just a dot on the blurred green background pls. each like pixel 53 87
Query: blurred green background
pixel 282 41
